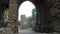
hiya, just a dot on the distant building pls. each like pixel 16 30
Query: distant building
pixel 29 21
pixel 23 21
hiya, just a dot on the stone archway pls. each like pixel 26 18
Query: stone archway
pixel 42 7
pixel 26 15
pixel 42 18
pixel 13 13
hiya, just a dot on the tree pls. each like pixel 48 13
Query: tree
pixel 33 14
pixel 33 18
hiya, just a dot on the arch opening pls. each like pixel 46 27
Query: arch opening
pixel 26 15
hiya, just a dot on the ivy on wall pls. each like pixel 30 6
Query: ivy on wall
pixel 6 12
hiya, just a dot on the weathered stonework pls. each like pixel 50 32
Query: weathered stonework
pixel 41 6
pixel 13 15
pixel 42 18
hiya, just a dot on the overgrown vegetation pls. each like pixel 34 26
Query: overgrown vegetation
pixel 6 12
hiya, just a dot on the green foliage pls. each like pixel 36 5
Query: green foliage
pixel 6 12
pixel 33 13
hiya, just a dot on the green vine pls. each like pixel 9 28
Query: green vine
pixel 6 14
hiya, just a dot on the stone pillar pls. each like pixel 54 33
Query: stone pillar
pixel 13 11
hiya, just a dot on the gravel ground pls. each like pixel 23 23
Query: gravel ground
pixel 29 31
pixel 3 31
pixel 6 33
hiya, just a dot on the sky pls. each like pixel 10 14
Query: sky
pixel 25 9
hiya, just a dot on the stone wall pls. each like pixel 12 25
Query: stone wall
pixel 13 11
pixel 54 11
pixel 13 14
